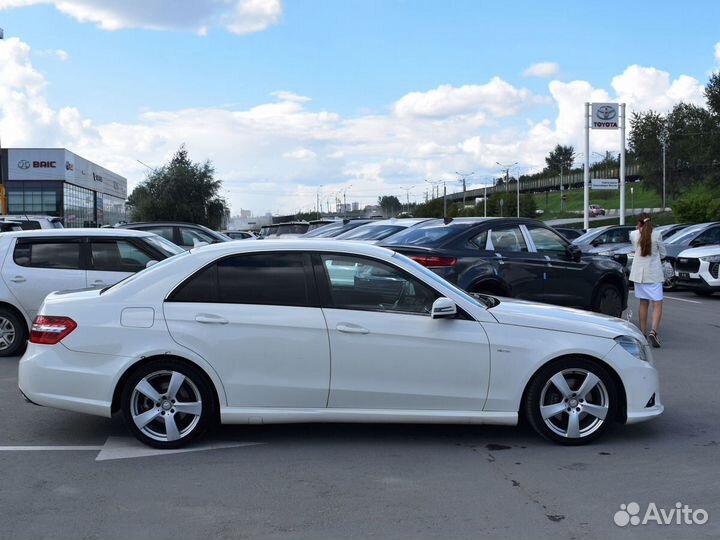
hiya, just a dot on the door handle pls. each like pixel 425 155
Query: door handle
pixel 18 279
pixel 206 318
pixel 348 328
pixel 98 283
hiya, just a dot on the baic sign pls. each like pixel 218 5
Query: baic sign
pixel 604 116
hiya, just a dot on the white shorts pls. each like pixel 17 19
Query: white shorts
pixel 649 291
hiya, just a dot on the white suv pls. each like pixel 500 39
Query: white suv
pixel 36 263
pixel 698 269
pixel 31 223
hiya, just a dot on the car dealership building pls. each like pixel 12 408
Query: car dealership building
pixel 57 182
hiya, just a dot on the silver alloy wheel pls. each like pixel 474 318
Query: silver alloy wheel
pixel 574 403
pixel 7 334
pixel 166 405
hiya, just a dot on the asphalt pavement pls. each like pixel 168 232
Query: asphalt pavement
pixel 65 475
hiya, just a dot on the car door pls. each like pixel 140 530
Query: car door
pixel 255 318
pixel 387 352
pixel 113 259
pixel 522 270
pixel 38 266
pixel 564 283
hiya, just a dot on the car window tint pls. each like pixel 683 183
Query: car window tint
pixel 117 256
pixel 165 232
pixel 711 236
pixel 508 239
pixel 189 236
pixel 547 241
pixel 428 234
pixel 276 279
pixel 362 284
pixel 51 254
pixel 201 287
pixel 480 240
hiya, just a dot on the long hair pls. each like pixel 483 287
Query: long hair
pixel 646 229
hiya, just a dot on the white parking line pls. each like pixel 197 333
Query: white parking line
pixel 683 300
pixel 47 448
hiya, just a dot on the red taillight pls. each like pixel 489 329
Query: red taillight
pixel 48 330
pixel 435 262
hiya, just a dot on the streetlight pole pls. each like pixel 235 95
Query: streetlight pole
pixel 463 178
pixel 407 196
pixel 3 188
pixel 507 172
pixel 664 140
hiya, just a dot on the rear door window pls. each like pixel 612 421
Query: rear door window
pixel 117 256
pixel 59 254
pixel 507 239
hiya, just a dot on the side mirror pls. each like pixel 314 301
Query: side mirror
pixel 199 243
pixel 443 308
pixel 151 263
pixel 595 243
pixel 574 253
pixel 697 242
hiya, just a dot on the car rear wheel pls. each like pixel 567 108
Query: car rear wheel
pixel 572 401
pixel 13 334
pixel 608 300
pixel 167 403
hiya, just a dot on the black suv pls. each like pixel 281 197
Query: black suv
pixel 185 235
pixel 521 258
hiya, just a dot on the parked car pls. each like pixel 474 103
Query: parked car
pixel 317 223
pixel 624 254
pixel 268 231
pixel 404 345
pixel 520 258
pixel 240 235
pixel 10 226
pixel 595 210
pixel 292 229
pixel 378 230
pixel 602 239
pixel 333 230
pixel 185 235
pixel 35 263
pixel 698 269
pixel 31 222
pixel 570 234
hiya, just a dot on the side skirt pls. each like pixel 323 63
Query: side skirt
pixel 272 415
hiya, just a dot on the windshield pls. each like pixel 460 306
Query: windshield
pixel 588 236
pixel 685 235
pixel 371 232
pixel 426 234
pixel 164 246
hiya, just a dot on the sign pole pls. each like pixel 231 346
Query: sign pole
pixel 622 164
pixel 586 172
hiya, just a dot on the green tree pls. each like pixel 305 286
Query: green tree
pixel 180 190
pixel 560 157
pixel 505 205
pixel 390 205
pixel 712 93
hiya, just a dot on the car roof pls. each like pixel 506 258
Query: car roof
pixel 78 232
pixel 296 244
pixel 407 222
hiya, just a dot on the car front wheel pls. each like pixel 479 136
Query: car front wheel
pixel 608 300
pixel 167 403
pixel 572 401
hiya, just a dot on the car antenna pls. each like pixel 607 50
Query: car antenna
pixel 447 220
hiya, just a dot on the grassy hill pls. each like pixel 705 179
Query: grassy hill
pixel 550 202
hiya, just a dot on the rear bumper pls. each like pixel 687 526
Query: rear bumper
pixel 54 376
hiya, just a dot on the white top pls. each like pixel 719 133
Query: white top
pixel 648 269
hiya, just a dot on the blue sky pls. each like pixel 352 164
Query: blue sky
pixel 355 60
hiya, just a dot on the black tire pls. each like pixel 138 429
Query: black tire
pixel 704 294
pixel 542 391
pixel 608 300
pixel 13 331
pixel 158 374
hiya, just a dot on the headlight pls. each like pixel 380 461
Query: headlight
pixel 711 258
pixel 633 346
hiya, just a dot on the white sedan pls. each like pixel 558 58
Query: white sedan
pixel 328 331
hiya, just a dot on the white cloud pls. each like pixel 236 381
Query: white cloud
pixel 274 155
pixel 542 69
pixel 237 16
pixel 717 52
pixel 496 97
pixel 60 54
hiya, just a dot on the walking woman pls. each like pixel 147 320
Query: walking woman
pixel 647 275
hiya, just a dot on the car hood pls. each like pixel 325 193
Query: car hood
pixel 706 251
pixel 561 319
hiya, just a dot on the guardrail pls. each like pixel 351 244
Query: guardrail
pixel 571 180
